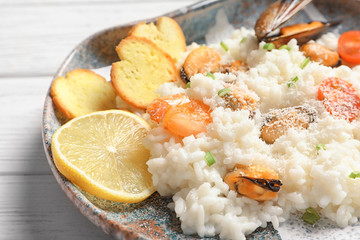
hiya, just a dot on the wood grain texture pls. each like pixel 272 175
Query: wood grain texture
pixel 21 104
pixel 36 208
pixel 36 36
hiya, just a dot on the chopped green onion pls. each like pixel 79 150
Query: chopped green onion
pixel 224 46
pixel 285 47
pixel 243 40
pixel 320 146
pixel 269 46
pixel 188 85
pixel 310 216
pixel 292 81
pixel 354 175
pixel 305 63
pixel 224 92
pixel 209 159
pixel 210 75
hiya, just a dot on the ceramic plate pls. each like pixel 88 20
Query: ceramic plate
pixel 151 219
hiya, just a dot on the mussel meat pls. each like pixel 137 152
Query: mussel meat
pixel 321 54
pixel 253 181
pixel 278 121
pixel 200 60
pixel 237 98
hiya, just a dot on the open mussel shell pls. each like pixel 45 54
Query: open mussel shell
pixel 301 37
pixel 276 15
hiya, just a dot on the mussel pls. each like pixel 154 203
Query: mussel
pixel 253 181
pixel 237 98
pixel 206 61
pixel 321 54
pixel 200 60
pixel 279 121
pixel 278 14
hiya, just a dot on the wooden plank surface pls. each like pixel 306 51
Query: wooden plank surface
pixel 34 207
pixel 35 37
pixel 21 104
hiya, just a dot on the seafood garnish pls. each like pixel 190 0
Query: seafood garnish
pixel 278 121
pixel 319 53
pixel 310 113
pixel 302 36
pixel 183 75
pixel 269 184
pixel 238 99
pixel 234 67
pixel 253 181
pixel 181 115
pixel 201 60
pixel 276 15
pixel 280 12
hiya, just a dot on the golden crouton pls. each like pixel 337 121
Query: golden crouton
pixel 81 92
pixel 142 69
pixel 166 34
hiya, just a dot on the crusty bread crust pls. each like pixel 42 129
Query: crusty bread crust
pixel 82 91
pixel 142 69
pixel 166 34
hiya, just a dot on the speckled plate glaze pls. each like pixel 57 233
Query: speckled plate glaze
pixel 151 219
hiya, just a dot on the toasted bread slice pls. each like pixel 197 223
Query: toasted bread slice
pixel 166 34
pixel 142 69
pixel 81 92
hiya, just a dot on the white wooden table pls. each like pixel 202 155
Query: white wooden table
pixel 35 37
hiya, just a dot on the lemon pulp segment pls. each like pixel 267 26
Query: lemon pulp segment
pixel 105 149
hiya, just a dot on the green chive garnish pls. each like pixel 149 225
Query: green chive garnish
pixel 224 46
pixel 243 40
pixel 210 75
pixel 224 92
pixel 285 47
pixel 320 146
pixel 310 216
pixel 305 63
pixel 292 81
pixel 209 159
pixel 269 46
pixel 354 175
pixel 188 85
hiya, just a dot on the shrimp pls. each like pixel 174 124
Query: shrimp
pixel 254 181
pixel 160 106
pixel 180 115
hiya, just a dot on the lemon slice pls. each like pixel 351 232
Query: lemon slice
pixel 103 154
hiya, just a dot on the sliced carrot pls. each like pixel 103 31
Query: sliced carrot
pixel 339 98
pixel 349 47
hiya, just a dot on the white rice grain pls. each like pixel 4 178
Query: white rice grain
pixel 311 177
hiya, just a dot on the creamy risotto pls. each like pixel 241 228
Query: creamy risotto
pixel 313 163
